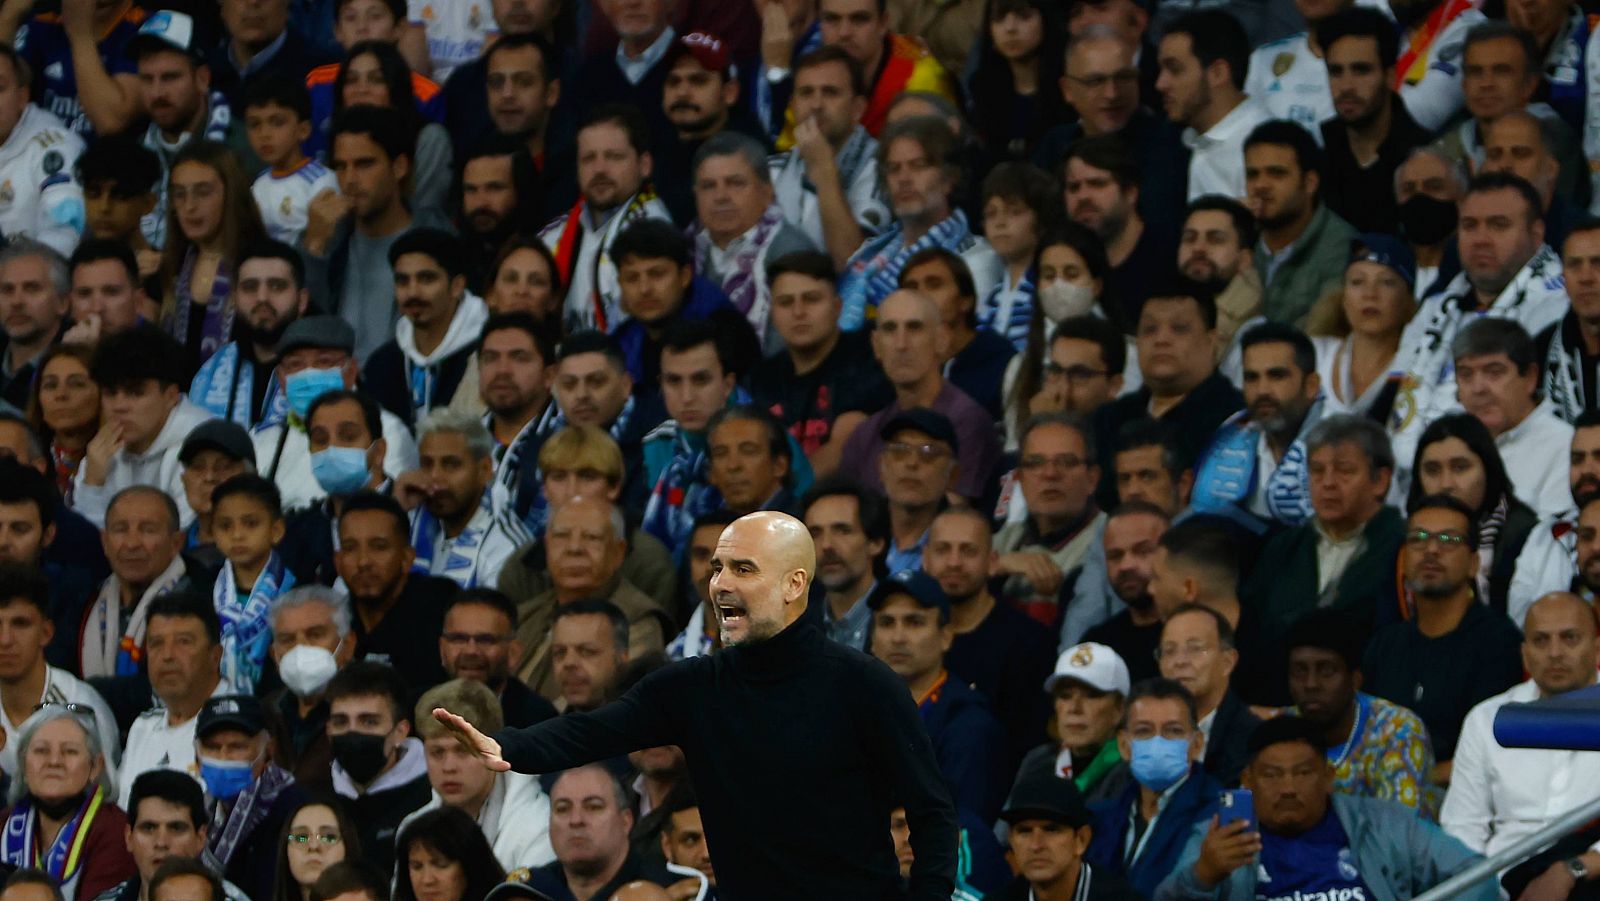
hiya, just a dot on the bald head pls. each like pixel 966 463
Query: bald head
pixel 1559 645
pixel 760 575
pixel 587 510
pixel 906 305
pixel 641 891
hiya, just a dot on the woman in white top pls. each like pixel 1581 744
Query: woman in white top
pixel 1357 329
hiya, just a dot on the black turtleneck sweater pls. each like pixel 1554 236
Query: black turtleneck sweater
pixel 798 748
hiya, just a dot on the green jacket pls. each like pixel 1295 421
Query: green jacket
pixel 1280 593
pixel 1315 266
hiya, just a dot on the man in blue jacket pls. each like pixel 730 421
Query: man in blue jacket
pixel 1141 833
pixel 1313 843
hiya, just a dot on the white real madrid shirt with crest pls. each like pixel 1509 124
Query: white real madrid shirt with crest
pixel 457 31
pixel 1292 82
pixel 39 195
pixel 284 200
pixel 155 742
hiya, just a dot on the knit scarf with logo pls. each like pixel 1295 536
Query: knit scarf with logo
pixel 741 282
pixel 108 650
pixel 64 858
pixel 246 631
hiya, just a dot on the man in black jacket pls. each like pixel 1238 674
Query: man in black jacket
pixel 777 721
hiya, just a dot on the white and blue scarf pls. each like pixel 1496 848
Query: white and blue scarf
pixel 246 630
pixel 1227 476
pixel 874 272
pixel 460 559
pixel 65 857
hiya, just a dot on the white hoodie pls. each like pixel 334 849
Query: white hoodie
pixel 157 467
pixel 515 819
pixel 466 326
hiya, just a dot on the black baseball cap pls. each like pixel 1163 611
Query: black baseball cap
pixel 914 584
pixel 1042 795
pixel 934 424
pixel 318 331
pixel 219 435
pixel 514 890
pixel 241 712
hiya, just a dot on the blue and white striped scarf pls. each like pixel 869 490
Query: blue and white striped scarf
pixel 1009 311
pixel 874 272
pixel 246 630
pixel 681 494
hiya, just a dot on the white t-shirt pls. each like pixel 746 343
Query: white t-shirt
pixel 457 30
pixel 284 199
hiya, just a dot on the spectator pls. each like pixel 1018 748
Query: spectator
pixel 1428 186
pixel 1019 60
pixel 1455 652
pixel 683 841
pixel 1304 245
pixel 589 825
pixel 1497 379
pixel 183 650
pixel 48 206
pixel 1392 852
pixel 142 540
pixel 65 411
pixel 345 438
pixel 909 341
pixel 1549 559
pixel 437 335
pixel 700 97
pixel 911 633
pixel 65 788
pixel 249 523
pixel 311 641
pixel 377 764
pixel 1217 248
pixel 861 29
pixel 587 655
pixel 1357 329
pixel 824 383
pixel 445 858
pixel 1204 60
pixel 1057 471
pixel 614 168
pixel 348 234
pixel 509 810
pixel 850 527
pixel 166 820
pixel 1197 651
pixel 1568 349
pixel 277 115
pixel 479 643
pixel 250 796
pixel 750 457
pixel 499 194
pixel 34 288
pixel 1500 64
pixel 702 635
pixel 1090 687
pixel 1018 211
pixel 1101 191
pixel 515 365
pixel 456 532
pixel 215 451
pixel 397 611
pixel 1371 132
pixel 1050 829
pixel 348 881
pixel 521 78
pixel 1290 76
pixel 1083 371
pixel 240 381
pixel 1529 147
pixel 975 359
pixel 374 73
pixel 918 467
pixel 584 546
pixel 317 355
pixel 1377 749
pixel 1140 833
pixel 90 91
pixel 122 183
pixel 183 879
pixel 1123 615
pixel 30 518
pixel 317 836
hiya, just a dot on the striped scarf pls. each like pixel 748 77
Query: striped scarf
pixel 64 859
pixel 680 495
pixel 874 272
pixel 742 281
pixel 246 631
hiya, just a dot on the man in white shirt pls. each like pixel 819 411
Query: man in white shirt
pixel 1501 795
pixel 183 651
pixel 43 199
pixel 1497 380
pixel 1289 75
pixel 1203 58
pixel 456 530
pixel 1550 559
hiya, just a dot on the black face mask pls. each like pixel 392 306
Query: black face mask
pixel 1427 220
pixel 360 754
pixel 59 809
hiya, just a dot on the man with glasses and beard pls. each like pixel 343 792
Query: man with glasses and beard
pixel 239 382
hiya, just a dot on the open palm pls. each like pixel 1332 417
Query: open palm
pixel 482 745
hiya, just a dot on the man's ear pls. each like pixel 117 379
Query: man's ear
pixel 49 536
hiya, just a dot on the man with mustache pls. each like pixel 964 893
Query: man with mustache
pixel 1456 651
pixel 1371 132
pixel 850 526
pixel 1549 561
pixel 1304 246
pixel 240 381
pixel 479 643
pixel 456 529
pixel 1499 795
pixel 701 98
pixel 1130 543
pixel 1254 471
pixel 1216 248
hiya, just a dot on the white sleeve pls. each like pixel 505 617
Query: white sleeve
pixel 1543 566
pixel 1469 804
pixel 1591 119
pixel 1437 97
pixel 400 455
pixel 59 215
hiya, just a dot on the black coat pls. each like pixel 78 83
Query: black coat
pixel 1228 751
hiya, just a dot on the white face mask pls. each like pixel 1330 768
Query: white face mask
pixel 1061 300
pixel 307 669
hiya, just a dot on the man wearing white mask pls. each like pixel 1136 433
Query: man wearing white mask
pixel 310 642
pixel 317 355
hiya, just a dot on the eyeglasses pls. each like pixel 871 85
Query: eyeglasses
pixel 901 452
pixel 1122 77
pixel 1419 538
pixel 303 838
pixel 1060 461
pixel 1179 652
pixel 1073 374
pixel 486 639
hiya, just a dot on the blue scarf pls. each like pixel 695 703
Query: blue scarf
pixel 461 552
pixel 1227 475
pixel 681 494
pixel 63 859
pixel 874 272
pixel 246 631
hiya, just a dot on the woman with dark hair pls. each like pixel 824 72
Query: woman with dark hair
pixel 1457 456
pixel 524 278
pixel 1014 95
pixel 375 74
pixel 316 834
pixel 443 856
pixel 64 409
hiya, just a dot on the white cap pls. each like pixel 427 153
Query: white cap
pixel 170 27
pixel 1095 665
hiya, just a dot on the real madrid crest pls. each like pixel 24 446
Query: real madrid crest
pixel 7 193
pixel 474 17
pixel 283 208
pixel 1281 64
pixel 1082 655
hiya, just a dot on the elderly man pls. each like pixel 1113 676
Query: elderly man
pixel 142 539
pixel 456 531
pixel 909 342
pixel 248 803
pixel 33 303
pixel 590 819
pixel 316 355
pixel 701 99
pixel 1528 147
pixel 584 546
pixel 1197 651
pixel 919 470
pixel 311 641
pixel 738 225
pixel 736 712
pixel 183 650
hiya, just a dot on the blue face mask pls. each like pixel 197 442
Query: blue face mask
pixel 1158 763
pixel 340 470
pixel 307 385
pixel 225 779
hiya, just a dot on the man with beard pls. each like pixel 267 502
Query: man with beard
pixel 107 296
pixel 1254 471
pixel 1550 561
pixel 1217 249
pixel 850 527
pixel 1525 145
pixel 1131 540
pixel 479 642
pixel 523 87
pixel 999 651
pixel 1304 246
pixel 700 98
pixel 456 531
pixel 499 198
pixel 1427 187
pixel 516 363
pixel 1569 350
pixel 614 166
pixel 1203 60
pixel 1100 191
pixel 1456 651
pixel 1371 132
pixel 399 613
pixel 1290 76
pixel 33 311
pixel 240 381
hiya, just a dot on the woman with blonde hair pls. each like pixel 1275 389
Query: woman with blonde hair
pixel 1357 329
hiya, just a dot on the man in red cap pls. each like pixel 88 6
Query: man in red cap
pixel 699 98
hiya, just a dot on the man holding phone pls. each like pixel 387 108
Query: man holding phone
pixel 1310 841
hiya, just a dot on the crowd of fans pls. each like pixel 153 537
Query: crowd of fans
pixel 1182 396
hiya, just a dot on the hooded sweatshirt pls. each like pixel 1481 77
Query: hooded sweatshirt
pixel 515 819
pixel 157 466
pixel 409 382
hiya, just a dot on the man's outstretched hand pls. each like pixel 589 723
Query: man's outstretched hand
pixel 482 745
